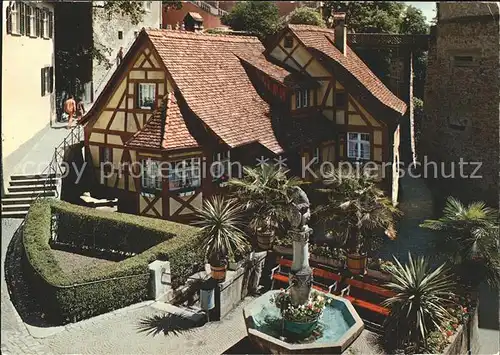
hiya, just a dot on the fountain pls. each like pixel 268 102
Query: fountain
pixel 297 320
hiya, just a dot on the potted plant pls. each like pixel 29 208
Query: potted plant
pixel 355 210
pixel 379 269
pixel 300 321
pixel 469 241
pixel 263 191
pixel 283 245
pixel 221 234
pixel 236 261
pixel 320 253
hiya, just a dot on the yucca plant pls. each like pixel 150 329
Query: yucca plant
pixel 418 308
pixel 469 240
pixel 263 192
pixel 221 233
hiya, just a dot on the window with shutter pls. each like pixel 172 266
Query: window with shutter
pixel 45 23
pixel 37 22
pixel 42 81
pixel 9 20
pixel 51 24
pixel 22 22
pixel 51 79
pixel 14 18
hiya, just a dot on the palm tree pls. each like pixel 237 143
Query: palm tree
pixel 356 209
pixel 419 304
pixel 221 233
pixel 263 192
pixel 470 240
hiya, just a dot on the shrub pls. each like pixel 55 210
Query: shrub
pixel 102 288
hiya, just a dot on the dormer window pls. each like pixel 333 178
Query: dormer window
pixel 302 98
pixel 288 42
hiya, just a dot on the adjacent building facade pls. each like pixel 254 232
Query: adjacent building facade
pixel 28 101
pixel 182 106
pixel 461 101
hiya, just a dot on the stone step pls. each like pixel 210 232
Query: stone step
pixel 14 214
pixel 32 176
pixel 29 194
pixel 16 207
pixel 32 182
pixel 35 188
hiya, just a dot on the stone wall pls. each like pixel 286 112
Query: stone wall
pixel 461 106
pixel 105 35
pixel 460 342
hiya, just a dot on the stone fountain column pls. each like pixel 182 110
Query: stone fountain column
pixel 301 275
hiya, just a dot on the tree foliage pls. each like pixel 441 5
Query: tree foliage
pixel 469 240
pixel 260 18
pixel 306 16
pixel 131 9
pixel 356 208
pixel 383 17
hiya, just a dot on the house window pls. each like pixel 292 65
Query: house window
pixel 463 61
pixel 51 24
pixel 120 34
pixel 221 166
pixel 184 174
pixel 151 176
pixel 340 100
pixel 22 19
pixel 147 6
pixel 146 95
pixel 38 22
pixel 30 21
pixel 302 98
pixel 45 23
pixel 288 42
pixel 358 146
pixel 46 79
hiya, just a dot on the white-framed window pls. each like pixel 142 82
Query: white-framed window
pixel 30 21
pixel 146 95
pixel 45 23
pixel 302 98
pixel 14 18
pixel 358 146
pixel 151 175
pixel 46 79
pixel 147 5
pixel 221 166
pixel 184 174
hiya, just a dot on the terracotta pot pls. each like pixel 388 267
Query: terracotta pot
pixel 356 263
pixel 218 273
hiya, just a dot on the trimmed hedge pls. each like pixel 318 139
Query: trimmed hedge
pixel 100 289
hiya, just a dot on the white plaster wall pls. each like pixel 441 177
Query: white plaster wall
pixel 106 33
pixel 24 110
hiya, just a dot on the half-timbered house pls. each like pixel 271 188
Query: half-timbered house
pixel 183 105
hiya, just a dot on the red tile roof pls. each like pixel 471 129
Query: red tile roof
pixel 322 39
pixel 165 129
pixel 211 79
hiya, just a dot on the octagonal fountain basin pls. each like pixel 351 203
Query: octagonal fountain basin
pixel 337 328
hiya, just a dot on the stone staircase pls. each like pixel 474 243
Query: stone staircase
pixel 24 189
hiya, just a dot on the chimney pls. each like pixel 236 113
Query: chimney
pixel 340 32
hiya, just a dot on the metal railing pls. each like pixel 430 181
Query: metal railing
pixel 209 8
pixel 54 168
